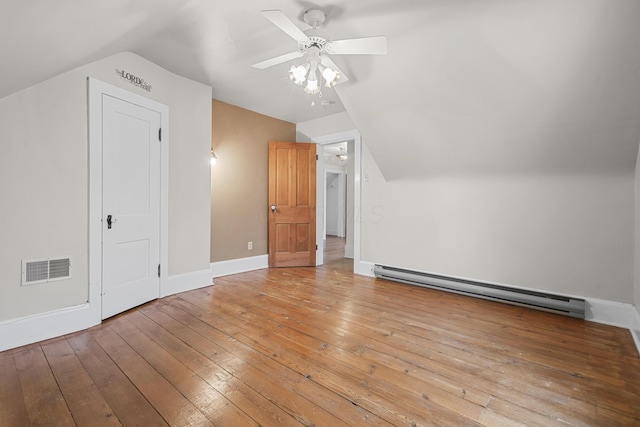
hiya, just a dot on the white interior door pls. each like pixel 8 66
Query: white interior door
pixel 130 205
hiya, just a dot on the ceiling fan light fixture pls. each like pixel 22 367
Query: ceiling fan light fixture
pixel 298 74
pixel 312 86
pixel 315 46
pixel 330 77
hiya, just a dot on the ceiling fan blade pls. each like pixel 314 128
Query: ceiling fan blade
pixel 327 62
pixel 277 60
pixel 281 21
pixel 362 46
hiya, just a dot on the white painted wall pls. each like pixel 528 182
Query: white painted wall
pixel 336 204
pixel 570 234
pixel 331 219
pixel 44 176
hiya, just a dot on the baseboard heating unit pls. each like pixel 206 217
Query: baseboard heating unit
pixel 567 306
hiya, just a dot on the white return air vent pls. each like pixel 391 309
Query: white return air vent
pixel 45 270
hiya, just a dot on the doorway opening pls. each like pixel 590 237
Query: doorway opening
pixel 352 245
pixel 337 163
pixel 334 249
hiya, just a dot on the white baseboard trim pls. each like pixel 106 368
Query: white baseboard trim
pixel 615 314
pixel 240 265
pixel 349 251
pixel 27 330
pixel 635 327
pixel 364 268
pixel 186 282
pixel 610 312
pixel 39 327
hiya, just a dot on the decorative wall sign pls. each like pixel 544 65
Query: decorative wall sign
pixel 134 80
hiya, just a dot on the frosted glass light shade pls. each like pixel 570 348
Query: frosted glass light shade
pixel 330 77
pixel 298 74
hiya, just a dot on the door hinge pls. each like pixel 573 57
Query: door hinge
pixel 160 134
pixel 316 157
pixel 158 270
pixel 316 247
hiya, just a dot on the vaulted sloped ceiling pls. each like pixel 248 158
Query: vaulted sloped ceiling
pixel 210 41
pixel 468 86
pixel 495 87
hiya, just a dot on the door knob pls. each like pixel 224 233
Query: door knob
pixel 273 208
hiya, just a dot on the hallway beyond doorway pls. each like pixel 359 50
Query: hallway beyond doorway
pixel 334 248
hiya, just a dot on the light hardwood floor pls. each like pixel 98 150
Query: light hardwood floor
pixel 323 347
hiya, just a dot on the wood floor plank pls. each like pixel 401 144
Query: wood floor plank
pixel 178 372
pixel 169 402
pixel 336 375
pixel 129 405
pixel 229 352
pixel 44 402
pixel 85 401
pixel 189 377
pixel 456 384
pixel 444 390
pixel 322 346
pixel 221 374
pixel 13 411
pixel 615 399
pixel 257 366
pixel 594 408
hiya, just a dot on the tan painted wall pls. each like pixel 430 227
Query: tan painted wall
pixel 239 181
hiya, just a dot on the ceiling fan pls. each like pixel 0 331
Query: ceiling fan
pixel 315 46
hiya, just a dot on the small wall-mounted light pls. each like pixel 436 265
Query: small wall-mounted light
pixel 214 158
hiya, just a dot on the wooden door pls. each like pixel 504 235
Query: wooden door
pixel 292 204
pixel 131 205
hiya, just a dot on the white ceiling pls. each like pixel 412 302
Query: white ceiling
pixel 468 86
pixel 505 87
pixel 210 41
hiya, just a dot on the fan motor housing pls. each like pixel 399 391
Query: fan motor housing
pixel 314 17
pixel 314 41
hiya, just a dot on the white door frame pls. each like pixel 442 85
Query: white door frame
pixel 354 135
pixel 342 207
pixel 96 89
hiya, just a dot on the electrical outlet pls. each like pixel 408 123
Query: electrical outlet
pixel 250 246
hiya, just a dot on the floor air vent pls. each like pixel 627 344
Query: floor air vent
pixel 537 300
pixel 45 270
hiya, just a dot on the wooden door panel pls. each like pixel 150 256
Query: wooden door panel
pixel 294 216
pixel 302 237
pixel 282 238
pixel 292 192
pixel 302 189
pixel 283 179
